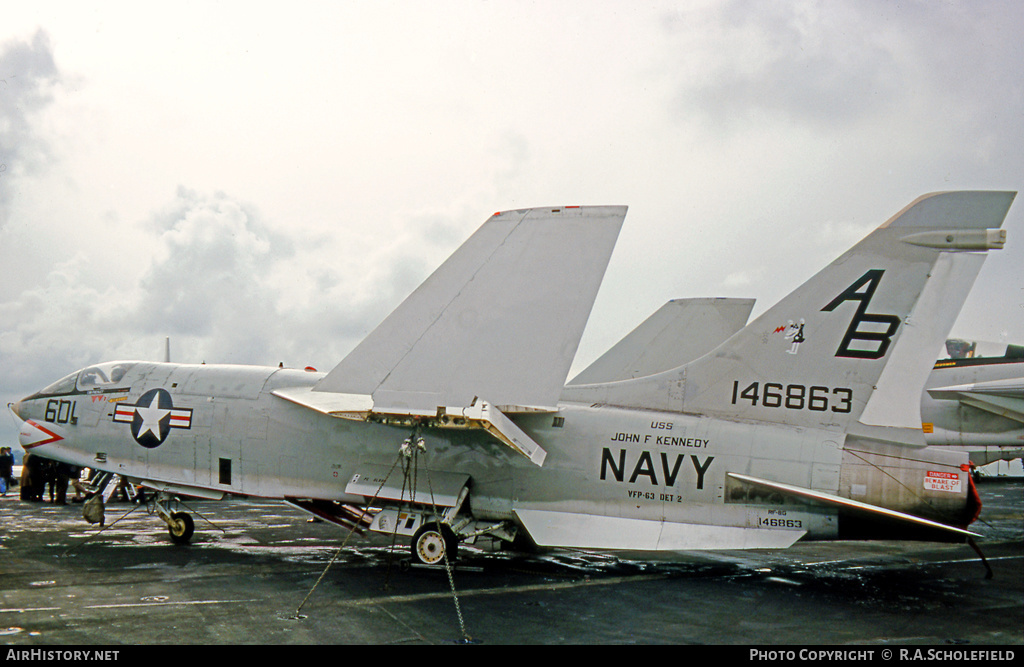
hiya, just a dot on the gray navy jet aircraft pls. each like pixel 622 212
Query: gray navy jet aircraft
pixel 451 421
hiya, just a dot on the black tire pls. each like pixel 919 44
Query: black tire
pixel 431 543
pixel 181 528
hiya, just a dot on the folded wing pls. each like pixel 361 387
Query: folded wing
pixel 500 320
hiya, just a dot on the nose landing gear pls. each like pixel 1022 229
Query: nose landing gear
pixel 179 524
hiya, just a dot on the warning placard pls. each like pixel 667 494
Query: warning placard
pixel 942 481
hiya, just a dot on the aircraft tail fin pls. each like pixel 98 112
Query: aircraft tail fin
pixel 856 342
pixel 499 320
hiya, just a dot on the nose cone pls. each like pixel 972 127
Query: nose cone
pixel 32 433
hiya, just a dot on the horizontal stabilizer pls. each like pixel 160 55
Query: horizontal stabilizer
pixel 1003 397
pixel 1008 388
pixel 1011 408
pixel 501 318
pixel 837 501
pixel 590 531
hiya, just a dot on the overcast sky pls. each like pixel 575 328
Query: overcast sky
pixel 264 182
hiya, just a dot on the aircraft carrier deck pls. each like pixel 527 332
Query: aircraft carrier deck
pixel 244 580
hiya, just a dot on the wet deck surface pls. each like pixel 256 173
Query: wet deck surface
pixel 62 583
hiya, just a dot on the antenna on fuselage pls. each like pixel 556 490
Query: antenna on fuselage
pixel 167 349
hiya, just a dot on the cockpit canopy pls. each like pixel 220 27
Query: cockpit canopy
pixel 101 376
pixel 969 349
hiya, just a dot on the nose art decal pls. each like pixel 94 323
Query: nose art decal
pixel 34 434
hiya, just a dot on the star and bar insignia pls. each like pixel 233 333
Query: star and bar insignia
pixel 153 417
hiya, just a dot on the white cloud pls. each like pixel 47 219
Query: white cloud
pixel 28 77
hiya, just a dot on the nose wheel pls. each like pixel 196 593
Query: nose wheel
pixel 181 527
pixel 179 524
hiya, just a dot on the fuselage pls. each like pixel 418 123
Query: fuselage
pixel 218 429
